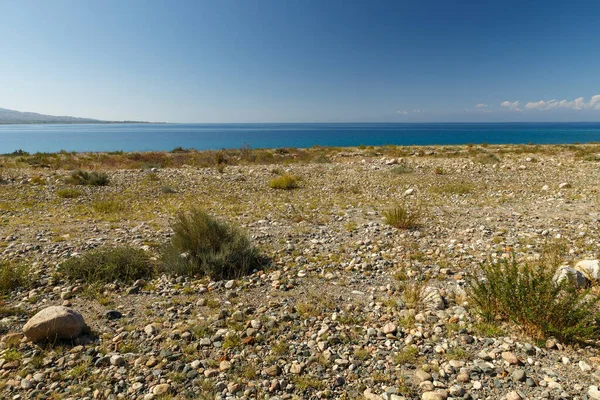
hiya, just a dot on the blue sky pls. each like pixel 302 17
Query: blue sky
pixel 302 60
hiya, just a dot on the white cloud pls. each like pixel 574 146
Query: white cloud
pixel 406 112
pixel 576 104
pixel 481 105
pixel 511 105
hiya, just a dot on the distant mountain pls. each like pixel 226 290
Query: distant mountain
pixel 18 117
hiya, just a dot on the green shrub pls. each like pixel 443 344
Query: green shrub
pixel 85 178
pixel 12 276
pixel 68 193
pixel 439 171
pixel 108 264
pixel 402 217
pixel 528 296
pixel 285 182
pixel 402 169
pixel 203 245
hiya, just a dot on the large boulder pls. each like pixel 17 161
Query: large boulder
pixel 589 268
pixel 572 275
pixel 52 323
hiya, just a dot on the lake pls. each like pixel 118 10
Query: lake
pixel 162 137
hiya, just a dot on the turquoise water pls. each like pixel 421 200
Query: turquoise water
pixel 145 137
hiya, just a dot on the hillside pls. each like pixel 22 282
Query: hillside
pixel 18 117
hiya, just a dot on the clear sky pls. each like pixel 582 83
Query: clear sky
pixel 302 60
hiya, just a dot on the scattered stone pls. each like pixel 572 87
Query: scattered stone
pixel 113 314
pixel 162 389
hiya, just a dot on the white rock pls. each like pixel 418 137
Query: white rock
pixel 55 322
pixel 370 395
pixel 585 367
pixel 589 268
pixel 594 393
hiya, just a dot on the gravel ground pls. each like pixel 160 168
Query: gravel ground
pixel 332 317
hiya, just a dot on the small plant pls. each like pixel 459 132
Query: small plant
pixel 454 188
pixel 280 348
pixel 362 354
pixel 7 311
pixel 85 178
pixel 153 177
pixel 168 190
pixel 109 264
pixel 110 206
pixel 457 353
pixel 528 296
pixel 12 276
pixel 439 171
pixel 487 158
pixel 412 289
pixel 306 382
pixel 38 180
pixel 68 193
pixel 203 245
pixel 402 169
pixel 285 182
pixel 232 341
pixel 407 355
pixel 487 329
pixel 402 217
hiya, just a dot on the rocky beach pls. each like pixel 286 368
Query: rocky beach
pixel 347 307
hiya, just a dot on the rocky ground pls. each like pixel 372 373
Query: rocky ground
pixel 350 308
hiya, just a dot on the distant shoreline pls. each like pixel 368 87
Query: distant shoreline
pixel 81 123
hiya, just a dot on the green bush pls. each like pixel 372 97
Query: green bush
pixel 12 276
pixel 402 217
pixel 108 264
pixel 285 182
pixel 85 178
pixel 203 245
pixel 528 296
pixel 68 193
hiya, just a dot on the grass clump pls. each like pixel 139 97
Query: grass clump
pixel 85 178
pixel 110 206
pixel 68 193
pixel 454 188
pixel 402 169
pixel 407 355
pixel 12 276
pixel 203 245
pixel 528 296
pixel 285 182
pixel 123 264
pixel 168 190
pixel 402 217
pixel 487 158
pixel 307 382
